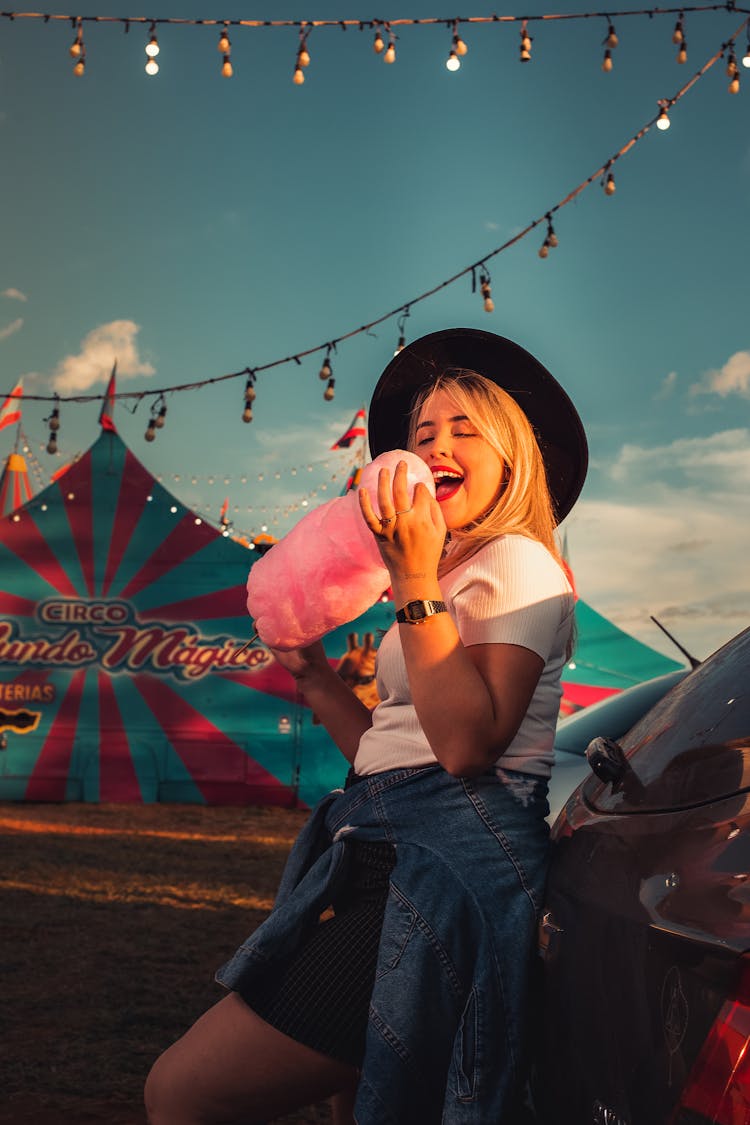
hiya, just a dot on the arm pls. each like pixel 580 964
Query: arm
pixel 343 715
pixel 470 701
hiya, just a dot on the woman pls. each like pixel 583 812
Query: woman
pixel 410 993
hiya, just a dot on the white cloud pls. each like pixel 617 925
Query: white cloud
pixel 719 462
pixel 667 387
pixel 99 350
pixel 732 378
pixel 674 547
pixel 10 329
pixel 14 294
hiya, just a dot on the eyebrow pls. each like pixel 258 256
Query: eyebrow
pixel 455 418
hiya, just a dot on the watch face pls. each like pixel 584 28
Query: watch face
pixel 417 611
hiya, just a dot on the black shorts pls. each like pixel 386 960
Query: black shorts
pixel 321 995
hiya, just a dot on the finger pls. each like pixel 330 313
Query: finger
pixel 385 497
pixel 366 508
pixel 401 498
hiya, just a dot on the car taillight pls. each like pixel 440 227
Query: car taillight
pixel 717 1090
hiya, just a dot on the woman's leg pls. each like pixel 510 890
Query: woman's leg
pixel 232 1068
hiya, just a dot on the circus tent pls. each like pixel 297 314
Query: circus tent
pixel 125 673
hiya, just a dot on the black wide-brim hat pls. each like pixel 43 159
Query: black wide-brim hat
pixel 558 428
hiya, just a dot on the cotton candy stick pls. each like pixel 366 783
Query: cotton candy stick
pixel 327 570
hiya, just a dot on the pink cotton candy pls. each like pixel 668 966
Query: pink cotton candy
pixel 327 570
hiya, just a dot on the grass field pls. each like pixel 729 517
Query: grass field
pixel 113 919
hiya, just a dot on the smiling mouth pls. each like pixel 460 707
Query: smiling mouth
pixel 446 484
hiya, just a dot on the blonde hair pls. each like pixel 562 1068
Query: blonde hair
pixel 524 505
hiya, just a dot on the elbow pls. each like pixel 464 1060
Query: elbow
pixel 464 762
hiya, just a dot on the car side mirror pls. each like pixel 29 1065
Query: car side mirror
pixel 607 760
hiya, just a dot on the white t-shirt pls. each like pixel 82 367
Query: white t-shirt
pixel 512 591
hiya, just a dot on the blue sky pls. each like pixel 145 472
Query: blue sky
pixel 194 226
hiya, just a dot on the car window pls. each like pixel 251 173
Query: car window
pixel 692 747
pixel 613 716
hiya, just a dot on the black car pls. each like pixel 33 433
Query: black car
pixel 645 935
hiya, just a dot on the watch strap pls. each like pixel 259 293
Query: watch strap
pixel 414 613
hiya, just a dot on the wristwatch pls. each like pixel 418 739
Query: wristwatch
pixel 414 613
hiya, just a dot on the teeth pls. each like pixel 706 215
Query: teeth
pixel 447 474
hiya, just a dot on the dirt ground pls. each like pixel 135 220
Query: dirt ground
pixel 113 920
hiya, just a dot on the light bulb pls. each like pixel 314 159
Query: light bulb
pixel 54 421
pixel 453 62
pixel 303 58
pixel 326 370
pixel 486 291
pixel 663 122
pixel 390 54
pixel 79 68
pixel 249 393
pixel 611 40
pixel 152 67
pixel 734 85
pixel 150 433
pixel 460 46
pixel 544 249
pixel 226 67
pixel 159 420
pixel 682 53
pixel 379 44
pixel 224 44
pixel 299 76
pixel 52 444
pixel 75 48
pixel 329 392
pixel 247 414
pixel 607 64
pixel 731 65
pixel 678 34
pixel 609 185
pixel 400 345
pixel 152 47
pixel 552 238
pixel 746 57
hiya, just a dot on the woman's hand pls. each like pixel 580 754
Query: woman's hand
pixel 410 532
pixel 302 662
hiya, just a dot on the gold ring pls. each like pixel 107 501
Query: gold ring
pixel 389 520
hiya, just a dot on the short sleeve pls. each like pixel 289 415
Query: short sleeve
pixel 511 592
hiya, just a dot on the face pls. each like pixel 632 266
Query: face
pixel 467 471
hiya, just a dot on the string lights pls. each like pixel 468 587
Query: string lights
pixel 158 416
pixel 457 51
pixel 152 50
pixel 388 53
pixel 54 428
pixel 610 43
pixel 224 47
pixel 603 174
pixel 525 55
pixel 303 58
pixel 77 48
pixel 247 413
pixel 608 180
pixel 550 239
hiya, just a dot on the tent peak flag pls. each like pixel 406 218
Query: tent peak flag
pixel 356 430
pixel 106 414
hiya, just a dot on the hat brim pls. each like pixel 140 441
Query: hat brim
pixel 555 420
